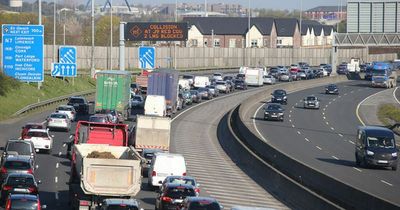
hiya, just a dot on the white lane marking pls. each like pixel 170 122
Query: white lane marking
pixel 335 157
pixel 334 99
pixel 357 169
pixel 254 122
pixel 295 104
pixel 292 126
pixel 330 102
pixel 56 195
pixel 339 96
pixel 324 117
pixel 358 107
pixel 351 142
pixel 323 113
pixel 318 147
pixel 64 145
pixel 59 154
pixel 326 105
pixel 290 120
pixel 298 132
pixel 307 139
pixel 352 91
pixel 394 95
pixel 57 165
pixel 290 115
pixel 327 123
pixel 345 94
pixel 332 128
pixel 340 135
pixel 292 107
pixel 383 181
pixel 291 111
pixel 55 179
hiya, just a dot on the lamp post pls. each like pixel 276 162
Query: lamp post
pixel 92 68
pixel 111 35
pixel 54 30
pixel 248 32
pixel 301 18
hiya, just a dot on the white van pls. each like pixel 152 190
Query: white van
pixel 155 106
pixel 201 81
pixel 163 165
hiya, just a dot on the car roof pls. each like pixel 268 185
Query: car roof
pixel 117 201
pixel 19 140
pixel 24 196
pixel 99 115
pixel 19 158
pixel 376 130
pixel 202 199
pixel 180 177
pixel 58 113
pixel 77 97
pixel 271 104
pixel 279 90
pixel 38 130
pixel 167 154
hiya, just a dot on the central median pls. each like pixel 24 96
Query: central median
pixel 294 182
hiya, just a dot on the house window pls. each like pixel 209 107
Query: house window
pixel 205 43
pixel 194 42
pixel 254 43
pixel 216 43
pixel 279 41
pixel 232 43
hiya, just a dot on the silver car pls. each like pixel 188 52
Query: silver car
pixel 67 109
pixel 285 77
pixel 59 121
pixel 222 86
pixel 311 102
pixel 269 79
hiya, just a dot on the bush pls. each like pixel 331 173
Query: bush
pixel 7 83
pixel 389 114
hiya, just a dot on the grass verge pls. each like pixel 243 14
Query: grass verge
pixel 388 114
pixel 21 95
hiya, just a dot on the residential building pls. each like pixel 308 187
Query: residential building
pixel 326 13
pixel 288 33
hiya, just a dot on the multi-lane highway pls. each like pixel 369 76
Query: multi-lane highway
pixel 324 139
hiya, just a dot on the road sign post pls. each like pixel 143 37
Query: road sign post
pixel 147 57
pixel 23 52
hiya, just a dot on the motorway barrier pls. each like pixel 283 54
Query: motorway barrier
pixel 335 193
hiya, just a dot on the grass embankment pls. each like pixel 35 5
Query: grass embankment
pixel 15 95
pixel 389 114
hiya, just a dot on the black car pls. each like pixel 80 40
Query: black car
pixel 274 72
pixel 342 69
pixel 19 147
pixel 172 196
pixel 201 203
pixel 240 84
pixel 273 111
pixel 368 73
pixel 331 89
pixel 24 201
pixel 19 183
pixel 80 104
pixel 228 78
pixel 205 93
pixel 148 155
pixel 240 76
pixel 279 96
pixel 376 146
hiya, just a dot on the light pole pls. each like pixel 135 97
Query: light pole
pixel 176 20
pixel 248 32
pixel 40 11
pixel 301 18
pixel 205 8
pixel 111 35
pixel 54 30
pixel 92 68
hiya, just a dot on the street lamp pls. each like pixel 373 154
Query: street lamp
pixel 111 35
pixel 54 30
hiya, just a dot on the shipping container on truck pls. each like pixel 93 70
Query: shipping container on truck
pixel 164 82
pixel 94 179
pixel 113 92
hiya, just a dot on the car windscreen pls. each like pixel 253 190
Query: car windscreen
pixel 311 98
pixel 202 89
pixel 180 192
pixel 121 207
pixel 187 77
pixel 33 126
pixel 37 134
pixel 18 181
pixel 76 101
pixel 193 92
pixel 22 148
pixel 137 98
pixel 380 141
pixel 204 205
pixel 239 82
pixel 274 107
pixel 220 83
pixel 181 181
pixel 332 87
pixel 18 165
pixel 58 116
pixel 279 92
pixel 133 86
pixel 24 204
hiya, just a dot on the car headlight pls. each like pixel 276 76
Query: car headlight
pixel 370 153
pixel 394 154
pixel 284 97
pixel 281 114
pixel 266 113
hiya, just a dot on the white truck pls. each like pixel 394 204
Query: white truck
pixel 94 179
pixel 152 132
pixel 201 81
pixel 354 65
pixel 254 76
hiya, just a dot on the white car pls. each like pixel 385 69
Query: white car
pixel 59 121
pixel 269 79
pixel 217 76
pixel 41 139
pixel 221 86
pixel 68 110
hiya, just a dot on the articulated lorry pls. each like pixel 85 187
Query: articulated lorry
pixel 383 75
pixel 113 92
pixel 95 178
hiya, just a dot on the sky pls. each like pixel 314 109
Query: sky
pixel 268 4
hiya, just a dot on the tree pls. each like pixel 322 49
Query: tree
pixel 342 26
pixel 102 36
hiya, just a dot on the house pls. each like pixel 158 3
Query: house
pixel 288 33
pixel 307 32
pixel 262 33
pixel 328 33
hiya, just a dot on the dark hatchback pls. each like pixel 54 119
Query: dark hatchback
pixel 273 112
pixel 279 96
pixel 201 203
pixel 240 84
pixel 376 146
pixel 172 196
pixel 24 201
pixel 19 183
pixel 80 104
pixel 331 89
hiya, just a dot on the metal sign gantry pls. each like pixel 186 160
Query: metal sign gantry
pixel 366 39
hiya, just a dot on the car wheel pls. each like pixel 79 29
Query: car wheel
pixel 394 168
pixel 364 163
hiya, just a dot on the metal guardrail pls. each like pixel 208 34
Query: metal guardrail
pixel 48 102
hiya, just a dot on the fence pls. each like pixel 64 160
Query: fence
pixel 215 57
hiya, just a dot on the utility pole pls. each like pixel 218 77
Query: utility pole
pixel 205 8
pixel 248 34
pixel 92 68
pixel 111 34
pixel 212 38
pixel 176 20
pixel 54 30
pixel 122 46
pixel 40 11
pixel 301 18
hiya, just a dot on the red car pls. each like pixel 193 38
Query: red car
pixel 28 126
pixel 24 201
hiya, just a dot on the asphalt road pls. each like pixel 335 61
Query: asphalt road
pixel 324 138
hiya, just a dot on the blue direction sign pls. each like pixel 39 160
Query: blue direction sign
pixel 67 54
pixel 147 57
pixel 63 70
pixel 23 52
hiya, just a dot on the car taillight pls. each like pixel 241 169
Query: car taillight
pixel 30 171
pixel 84 203
pixel 3 170
pixel 197 190
pixel 46 138
pixel 32 189
pixel 6 187
pixel 8 205
pixel 72 112
pixel 154 173
pixel 184 174
pixel 166 199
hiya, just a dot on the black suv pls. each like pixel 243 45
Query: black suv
pixel 279 96
pixel 240 84
pixel 172 196
pixel 332 89
pixel 376 146
pixel 197 203
pixel 273 112
pixel 80 104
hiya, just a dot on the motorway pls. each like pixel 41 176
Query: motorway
pixel 324 139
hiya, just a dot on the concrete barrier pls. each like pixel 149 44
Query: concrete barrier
pixel 331 189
